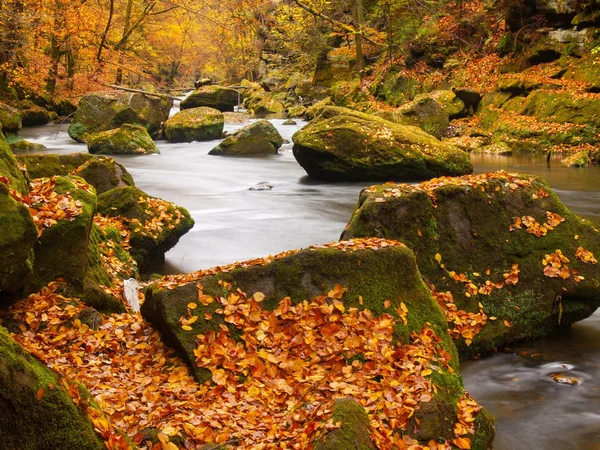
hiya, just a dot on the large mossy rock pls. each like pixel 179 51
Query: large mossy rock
pixel 37 412
pixel 259 102
pixel 9 168
pixel 128 139
pixel 354 146
pixel 217 97
pixel 380 276
pixel 10 118
pixel 195 124
pixel 501 240
pixel 43 166
pixel 431 112
pixel 61 251
pixel 155 225
pixel 258 138
pixel 102 112
pixel 32 114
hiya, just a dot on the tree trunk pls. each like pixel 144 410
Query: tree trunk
pixel 119 77
pixel 359 19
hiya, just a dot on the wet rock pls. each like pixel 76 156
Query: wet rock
pixel 258 138
pixel 31 114
pixel 38 412
pixel 10 118
pixel 261 102
pixel 23 146
pixel 355 146
pixel 101 112
pixel 503 240
pixel 126 140
pixel 155 225
pixel 263 186
pixel 195 124
pixel 290 122
pixel 217 97
pixel 104 174
pixel 498 148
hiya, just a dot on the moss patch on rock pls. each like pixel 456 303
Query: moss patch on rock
pixel 10 118
pixel 195 124
pixel 218 97
pixel 258 138
pixel 9 169
pixel 354 431
pixel 38 412
pixel 128 139
pixel 356 146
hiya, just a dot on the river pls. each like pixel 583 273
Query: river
pixel 234 223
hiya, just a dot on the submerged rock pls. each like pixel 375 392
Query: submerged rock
pixel 350 145
pixel 155 225
pixel 218 97
pixel 382 283
pixel 258 138
pixel 501 249
pixel 38 411
pixel 101 112
pixel 126 140
pixel 195 124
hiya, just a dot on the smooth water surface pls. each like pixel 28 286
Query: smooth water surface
pixel 234 223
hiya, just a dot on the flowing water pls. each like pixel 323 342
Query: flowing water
pixel 235 223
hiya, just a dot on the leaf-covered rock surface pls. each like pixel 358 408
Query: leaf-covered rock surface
pixel 153 226
pixel 128 139
pixel 39 409
pixel 504 256
pixel 309 336
pixel 258 138
pixel 195 124
pixel 343 144
pixel 101 112
pixel 217 97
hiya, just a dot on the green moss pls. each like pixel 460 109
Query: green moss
pixel 218 97
pixel 195 124
pixel 104 174
pixel 354 432
pixel 128 139
pixel 258 138
pixel 9 168
pixel 43 166
pixel 10 118
pixel 348 145
pixel 32 423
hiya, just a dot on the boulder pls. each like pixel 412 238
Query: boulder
pixel 38 412
pixel 65 207
pixel 104 174
pixel 202 82
pixel 583 158
pixel 261 102
pixel 41 166
pixel 9 169
pixel 497 148
pixel 23 146
pixel 32 114
pixel 258 138
pixel 101 112
pixel 64 107
pixel 218 97
pixel 431 112
pixel 356 146
pixel 195 124
pixel 501 250
pixel 155 225
pixel 277 294
pixel 128 139
pixel 10 118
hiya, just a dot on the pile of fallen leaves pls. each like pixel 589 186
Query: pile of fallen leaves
pixel 512 181
pixel 532 226
pixel 162 214
pixel 276 373
pixel 172 281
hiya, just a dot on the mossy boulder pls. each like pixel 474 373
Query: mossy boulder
pixel 195 124
pixel 217 97
pixel 258 138
pixel 492 239
pixel 23 146
pixel 261 102
pixel 104 174
pixel 9 168
pixel 61 250
pixel 128 139
pixel 32 114
pixel 497 148
pixel 38 412
pixel 583 158
pixel 356 146
pixel 64 107
pixel 101 112
pixel 16 242
pixel 381 277
pixel 155 225
pixel 10 118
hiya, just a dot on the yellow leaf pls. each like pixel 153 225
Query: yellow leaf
pixel 186 327
pixel 192 305
pixel 438 257
pixel 259 296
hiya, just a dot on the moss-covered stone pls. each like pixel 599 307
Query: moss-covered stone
pixel 32 114
pixel 261 102
pixel 44 166
pixel 258 138
pixel 104 174
pixel 10 170
pixel 128 139
pixel 583 158
pixel 467 222
pixel 61 251
pixel 218 97
pixel 357 146
pixel 354 432
pixel 37 412
pixel 155 225
pixel 16 242
pixel 10 118
pixel 497 148
pixel 195 124
pixel 101 112
pixel 23 146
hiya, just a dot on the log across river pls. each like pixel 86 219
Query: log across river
pixel 545 394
